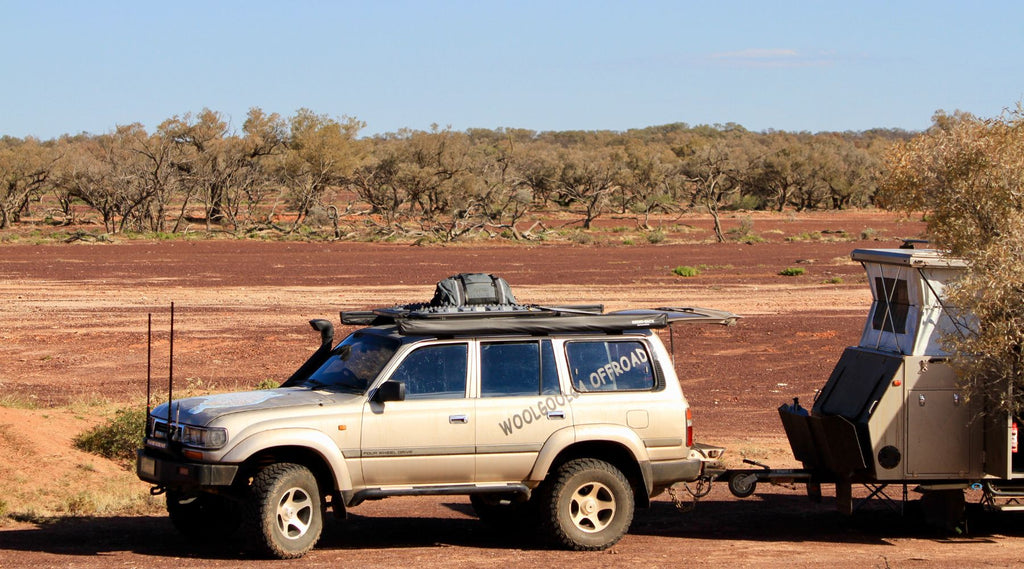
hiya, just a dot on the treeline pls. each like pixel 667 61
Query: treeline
pixel 311 172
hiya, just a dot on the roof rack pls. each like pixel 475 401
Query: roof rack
pixel 425 319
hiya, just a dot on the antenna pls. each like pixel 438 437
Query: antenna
pixel 170 377
pixel 149 362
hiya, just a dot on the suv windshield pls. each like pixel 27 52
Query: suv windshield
pixel 354 363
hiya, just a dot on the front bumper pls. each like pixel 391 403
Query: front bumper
pixel 181 474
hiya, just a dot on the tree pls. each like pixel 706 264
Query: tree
pixel 587 177
pixel 707 164
pixel 25 168
pixel 968 175
pixel 321 152
pixel 648 179
pixel 109 174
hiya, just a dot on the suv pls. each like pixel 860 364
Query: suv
pixel 566 414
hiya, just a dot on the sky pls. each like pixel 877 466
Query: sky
pixel 88 66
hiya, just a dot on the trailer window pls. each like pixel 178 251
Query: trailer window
pixel 892 306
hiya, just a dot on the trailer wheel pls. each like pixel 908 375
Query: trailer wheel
pixel 284 514
pixel 742 485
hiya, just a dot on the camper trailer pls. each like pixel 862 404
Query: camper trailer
pixel 892 412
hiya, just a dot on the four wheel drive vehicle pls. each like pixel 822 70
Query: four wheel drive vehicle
pixel 567 414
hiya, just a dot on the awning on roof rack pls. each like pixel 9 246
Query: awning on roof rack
pixel 531 325
pixel 686 314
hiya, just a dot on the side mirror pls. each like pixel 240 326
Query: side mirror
pixel 390 391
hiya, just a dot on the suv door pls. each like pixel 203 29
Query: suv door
pixel 429 437
pixel 520 404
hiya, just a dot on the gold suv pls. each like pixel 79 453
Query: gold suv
pixel 565 419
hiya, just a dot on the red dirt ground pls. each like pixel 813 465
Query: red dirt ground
pixel 73 323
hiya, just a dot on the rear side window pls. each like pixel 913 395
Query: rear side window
pixel 610 366
pixel 509 369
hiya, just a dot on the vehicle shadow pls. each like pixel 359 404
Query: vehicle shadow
pixel 795 519
pixel 769 518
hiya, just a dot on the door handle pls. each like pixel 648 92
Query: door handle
pixel 458 419
pixel 556 414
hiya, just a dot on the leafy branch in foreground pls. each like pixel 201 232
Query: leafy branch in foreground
pixel 967 174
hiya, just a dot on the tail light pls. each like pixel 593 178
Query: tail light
pixel 689 427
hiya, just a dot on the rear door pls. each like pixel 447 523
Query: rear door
pixel 520 405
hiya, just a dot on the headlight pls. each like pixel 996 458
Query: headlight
pixel 202 437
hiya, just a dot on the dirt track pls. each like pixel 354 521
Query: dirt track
pixel 72 327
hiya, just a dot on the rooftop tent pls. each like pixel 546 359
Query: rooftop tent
pixel 908 315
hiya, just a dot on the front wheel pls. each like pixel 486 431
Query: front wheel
pixel 587 505
pixel 284 514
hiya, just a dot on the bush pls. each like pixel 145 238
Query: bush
pixel 656 236
pixel 117 440
pixel 833 280
pixel 869 234
pixel 268 384
pixel 686 271
pixel 791 272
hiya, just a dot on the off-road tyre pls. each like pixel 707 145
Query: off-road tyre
pixel 283 511
pixel 586 505
pixel 503 511
pixel 203 517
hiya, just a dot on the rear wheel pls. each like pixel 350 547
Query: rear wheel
pixel 203 516
pixel 284 513
pixel 587 505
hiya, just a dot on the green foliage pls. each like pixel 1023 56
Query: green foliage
pixel 792 271
pixel 117 440
pixel 268 384
pixel 580 237
pixel 686 271
pixel 833 280
pixel 869 234
pixel 805 236
pixel 967 175
pixel 744 232
pixel 627 241
pixel 278 175
pixel 655 237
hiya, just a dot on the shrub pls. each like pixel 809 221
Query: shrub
pixel 656 236
pixel 869 234
pixel 580 237
pixel 833 280
pixel 117 440
pixel 268 384
pixel 686 271
pixel 792 272
pixel 805 236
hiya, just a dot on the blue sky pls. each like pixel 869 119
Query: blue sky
pixel 79 66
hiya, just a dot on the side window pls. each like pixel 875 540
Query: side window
pixel 434 372
pixel 893 305
pixel 508 369
pixel 610 366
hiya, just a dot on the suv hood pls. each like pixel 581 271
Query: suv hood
pixel 200 411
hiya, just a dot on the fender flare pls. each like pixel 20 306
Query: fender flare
pixel 307 438
pixel 619 435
